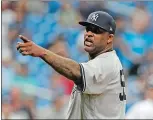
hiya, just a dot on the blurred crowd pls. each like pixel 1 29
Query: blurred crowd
pixel 32 89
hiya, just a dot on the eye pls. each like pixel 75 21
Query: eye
pixel 95 29
pixel 89 28
pixel 99 31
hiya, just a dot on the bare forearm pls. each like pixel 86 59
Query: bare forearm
pixel 64 66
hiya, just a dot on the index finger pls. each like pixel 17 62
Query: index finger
pixel 24 38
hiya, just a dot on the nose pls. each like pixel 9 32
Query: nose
pixel 89 34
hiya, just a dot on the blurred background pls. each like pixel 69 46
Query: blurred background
pixel 32 89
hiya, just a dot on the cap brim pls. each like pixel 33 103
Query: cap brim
pixel 85 23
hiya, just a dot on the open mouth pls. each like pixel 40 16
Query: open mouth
pixel 88 42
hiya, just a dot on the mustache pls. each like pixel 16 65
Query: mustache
pixel 89 39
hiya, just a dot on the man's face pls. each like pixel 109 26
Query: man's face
pixel 95 39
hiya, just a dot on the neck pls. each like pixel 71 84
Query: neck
pixel 92 56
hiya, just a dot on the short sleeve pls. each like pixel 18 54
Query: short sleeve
pixel 96 75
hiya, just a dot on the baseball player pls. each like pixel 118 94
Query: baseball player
pixel 99 90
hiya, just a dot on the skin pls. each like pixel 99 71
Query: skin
pixel 95 44
pixel 99 43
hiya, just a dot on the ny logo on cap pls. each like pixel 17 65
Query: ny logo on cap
pixel 94 17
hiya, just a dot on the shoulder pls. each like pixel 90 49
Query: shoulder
pixel 105 63
pixel 109 60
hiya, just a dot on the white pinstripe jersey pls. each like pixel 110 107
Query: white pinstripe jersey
pixel 103 92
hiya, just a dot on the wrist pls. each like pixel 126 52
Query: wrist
pixel 43 53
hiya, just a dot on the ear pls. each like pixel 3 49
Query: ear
pixel 110 38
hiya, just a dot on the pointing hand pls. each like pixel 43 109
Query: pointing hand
pixel 28 47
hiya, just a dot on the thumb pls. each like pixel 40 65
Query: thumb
pixel 24 38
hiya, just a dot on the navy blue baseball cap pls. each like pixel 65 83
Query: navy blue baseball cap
pixel 101 19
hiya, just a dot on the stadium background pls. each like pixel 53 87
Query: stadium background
pixel 31 88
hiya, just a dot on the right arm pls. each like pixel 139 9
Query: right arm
pixel 62 65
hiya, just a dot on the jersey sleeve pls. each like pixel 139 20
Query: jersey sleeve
pixel 96 75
